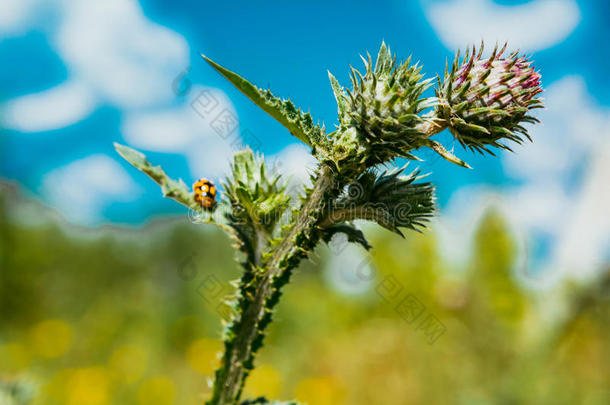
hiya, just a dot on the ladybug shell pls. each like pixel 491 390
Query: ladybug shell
pixel 205 193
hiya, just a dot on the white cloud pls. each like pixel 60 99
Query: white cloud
pixel 113 53
pixel 532 26
pixel 349 269
pixel 168 130
pixel 15 15
pixel 188 129
pixel 115 56
pixel 562 192
pixel 584 245
pixel 52 109
pixel 572 125
pixel 574 137
pixel 295 162
pixel 458 221
pixel 124 57
pixel 540 204
pixel 81 189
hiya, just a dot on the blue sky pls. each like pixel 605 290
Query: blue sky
pixel 78 76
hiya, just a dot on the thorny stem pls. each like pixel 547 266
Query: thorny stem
pixel 260 296
pixel 263 294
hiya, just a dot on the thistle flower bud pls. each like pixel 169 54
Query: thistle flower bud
pixel 486 100
pixel 380 116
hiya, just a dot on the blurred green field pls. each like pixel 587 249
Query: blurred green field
pixel 133 316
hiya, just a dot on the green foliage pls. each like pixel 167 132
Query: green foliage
pixel 16 392
pixel 121 287
pixel 493 260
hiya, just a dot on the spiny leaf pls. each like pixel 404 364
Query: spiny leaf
pixel 173 189
pixel 353 234
pixel 298 123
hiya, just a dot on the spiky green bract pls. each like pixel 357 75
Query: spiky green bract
pixel 299 123
pixel 381 116
pixel 485 101
pixel 391 200
pixel 257 200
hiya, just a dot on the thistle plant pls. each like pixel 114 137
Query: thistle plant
pixel 383 116
pixel 484 101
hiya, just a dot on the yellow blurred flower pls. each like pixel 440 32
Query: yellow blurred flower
pixel 264 380
pixel 128 363
pixel 51 338
pixel 88 386
pixel 327 390
pixel 159 390
pixel 13 357
pixel 202 355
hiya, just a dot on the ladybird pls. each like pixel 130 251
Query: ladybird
pixel 205 193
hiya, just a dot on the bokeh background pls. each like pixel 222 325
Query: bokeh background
pixel 103 295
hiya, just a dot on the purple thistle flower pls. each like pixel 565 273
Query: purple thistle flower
pixel 485 100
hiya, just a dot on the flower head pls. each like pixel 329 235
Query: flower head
pixel 486 100
pixel 380 115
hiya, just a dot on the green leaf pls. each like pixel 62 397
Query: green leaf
pixel 298 123
pixel 353 234
pixel 174 189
